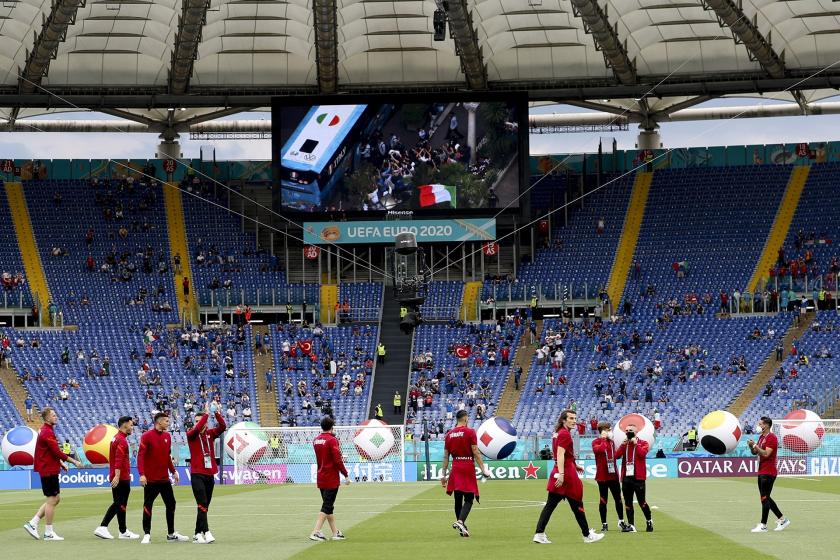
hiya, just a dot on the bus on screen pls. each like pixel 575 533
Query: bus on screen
pixel 321 150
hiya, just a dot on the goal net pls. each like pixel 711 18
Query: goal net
pixel 808 447
pixel 372 453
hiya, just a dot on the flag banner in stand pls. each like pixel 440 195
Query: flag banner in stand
pixel 426 231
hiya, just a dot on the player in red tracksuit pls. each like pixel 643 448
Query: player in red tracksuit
pixel 462 444
pixel 606 474
pixel 119 474
pixel 154 463
pixel 203 468
pixel 766 449
pixel 330 464
pixel 48 463
pixel 633 475
pixel 564 482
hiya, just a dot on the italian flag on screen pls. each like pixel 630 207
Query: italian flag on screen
pixel 436 194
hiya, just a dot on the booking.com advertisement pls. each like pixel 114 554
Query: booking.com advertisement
pixel 693 467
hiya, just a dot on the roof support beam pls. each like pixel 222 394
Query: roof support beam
pixel 466 44
pixel 597 24
pixel 731 15
pixel 326 44
pixel 187 38
pixel 53 32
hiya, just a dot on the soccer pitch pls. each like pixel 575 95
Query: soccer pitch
pixel 700 518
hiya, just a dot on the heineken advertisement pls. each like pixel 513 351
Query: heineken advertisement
pixel 426 231
pixel 501 470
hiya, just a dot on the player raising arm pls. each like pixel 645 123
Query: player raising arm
pixel 766 448
pixel 564 482
pixel 203 468
pixel 461 443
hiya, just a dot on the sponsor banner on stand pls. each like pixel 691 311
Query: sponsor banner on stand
pixel 499 470
pixel 701 467
pixel 426 231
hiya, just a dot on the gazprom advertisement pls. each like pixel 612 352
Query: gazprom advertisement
pixel 426 231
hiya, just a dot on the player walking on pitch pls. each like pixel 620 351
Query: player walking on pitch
pixel 120 477
pixel 633 476
pixel 330 464
pixel 202 469
pixel 606 474
pixel 461 443
pixel 766 449
pixel 564 482
pixel 48 463
pixel 154 463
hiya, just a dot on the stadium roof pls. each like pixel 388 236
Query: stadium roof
pixel 140 58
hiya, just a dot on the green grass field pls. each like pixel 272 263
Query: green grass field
pixel 698 518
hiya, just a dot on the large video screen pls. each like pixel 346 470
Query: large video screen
pixel 418 153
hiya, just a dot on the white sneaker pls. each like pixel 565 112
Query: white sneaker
pixel 760 528
pixel 52 537
pixel 593 537
pixel 541 538
pixel 209 538
pixel 32 530
pixel 199 539
pixel 103 533
pixel 462 528
pixel 128 535
pixel 147 538
pixel 319 536
pixel 339 536
pixel 782 524
pixel 177 537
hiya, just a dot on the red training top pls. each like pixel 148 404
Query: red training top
pixel 119 458
pixel 329 461
pixel 48 455
pixel 767 465
pixel 604 450
pixel 458 443
pixel 154 459
pixel 572 487
pixel 201 445
pixel 636 453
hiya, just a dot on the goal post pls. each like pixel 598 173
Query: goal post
pixel 808 447
pixel 372 453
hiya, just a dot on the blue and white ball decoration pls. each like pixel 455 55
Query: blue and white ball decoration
pixel 19 446
pixel 496 438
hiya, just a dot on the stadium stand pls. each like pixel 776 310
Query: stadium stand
pixel 576 254
pixel 443 300
pixel 443 354
pixel 121 225
pixel 364 299
pixel 13 293
pixel 175 371
pixel 226 253
pixel 305 385
pixel 687 349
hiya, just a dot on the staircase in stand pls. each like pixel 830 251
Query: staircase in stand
pixel 781 224
pixel 178 245
pixel 768 369
pixel 469 303
pixel 35 276
pixel 629 237
pixel 393 374
pixel 13 386
pixel 510 396
pixel 266 400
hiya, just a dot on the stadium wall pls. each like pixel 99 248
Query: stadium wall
pixel 608 162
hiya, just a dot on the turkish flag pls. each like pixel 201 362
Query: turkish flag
pixel 305 346
pixel 462 351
